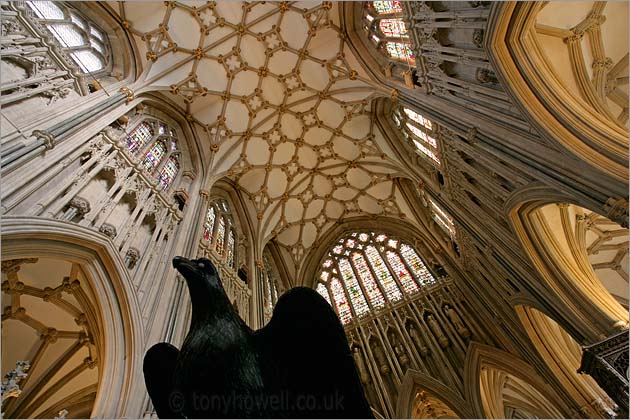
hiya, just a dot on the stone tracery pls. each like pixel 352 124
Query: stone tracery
pixel 308 110
pixel 276 103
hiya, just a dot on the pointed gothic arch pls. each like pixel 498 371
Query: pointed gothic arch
pixel 563 356
pixel 536 213
pixel 416 382
pixel 116 308
pixel 495 379
pixel 520 63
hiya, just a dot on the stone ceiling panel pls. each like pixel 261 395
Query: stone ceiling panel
pixel 283 103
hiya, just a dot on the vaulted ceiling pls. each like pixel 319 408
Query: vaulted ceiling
pixel 283 104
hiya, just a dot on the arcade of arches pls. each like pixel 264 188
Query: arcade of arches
pixel 452 177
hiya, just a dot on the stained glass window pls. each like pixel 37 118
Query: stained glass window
pixel 230 249
pixel 209 226
pixel 220 236
pixel 382 274
pixel 420 271
pixel 143 136
pixel 270 294
pixel 371 266
pixel 400 51
pixel 169 172
pixel 401 272
pixel 341 302
pixel 354 290
pixel 385 7
pixel 321 289
pixel 219 233
pixel 78 37
pixel 392 27
pixel 374 293
pixel 139 137
pixel 154 156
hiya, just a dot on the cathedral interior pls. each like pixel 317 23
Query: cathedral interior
pixel 452 177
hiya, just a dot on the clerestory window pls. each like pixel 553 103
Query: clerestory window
pixel 419 131
pixel 387 30
pixel 219 231
pixel 77 36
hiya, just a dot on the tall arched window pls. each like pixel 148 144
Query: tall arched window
pixel 270 287
pixel 77 36
pixel 156 143
pixel 442 218
pixel 364 270
pixel 219 231
pixel 419 131
pixel 387 30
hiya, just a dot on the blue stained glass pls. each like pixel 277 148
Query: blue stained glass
pixel 139 137
pixel 154 156
pixel 169 172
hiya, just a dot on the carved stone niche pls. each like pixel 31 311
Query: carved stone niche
pixel 131 258
pixel 108 230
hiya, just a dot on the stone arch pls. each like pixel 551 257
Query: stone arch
pixel 563 355
pixel 241 213
pixel 521 65
pixel 594 312
pixel 495 379
pixel 449 401
pixel 121 327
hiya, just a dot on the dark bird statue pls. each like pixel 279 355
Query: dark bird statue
pixel 298 366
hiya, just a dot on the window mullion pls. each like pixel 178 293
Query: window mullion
pixel 234 259
pixel 333 303
pixel 360 282
pixel 378 284
pixel 345 290
pixel 406 264
pixel 374 274
pixel 218 216
pixel 147 146
pixel 163 162
pixel 391 270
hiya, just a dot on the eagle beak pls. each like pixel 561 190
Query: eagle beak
pixel 178 261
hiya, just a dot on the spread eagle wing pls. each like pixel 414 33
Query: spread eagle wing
pixel 158 367
pixel 306 361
